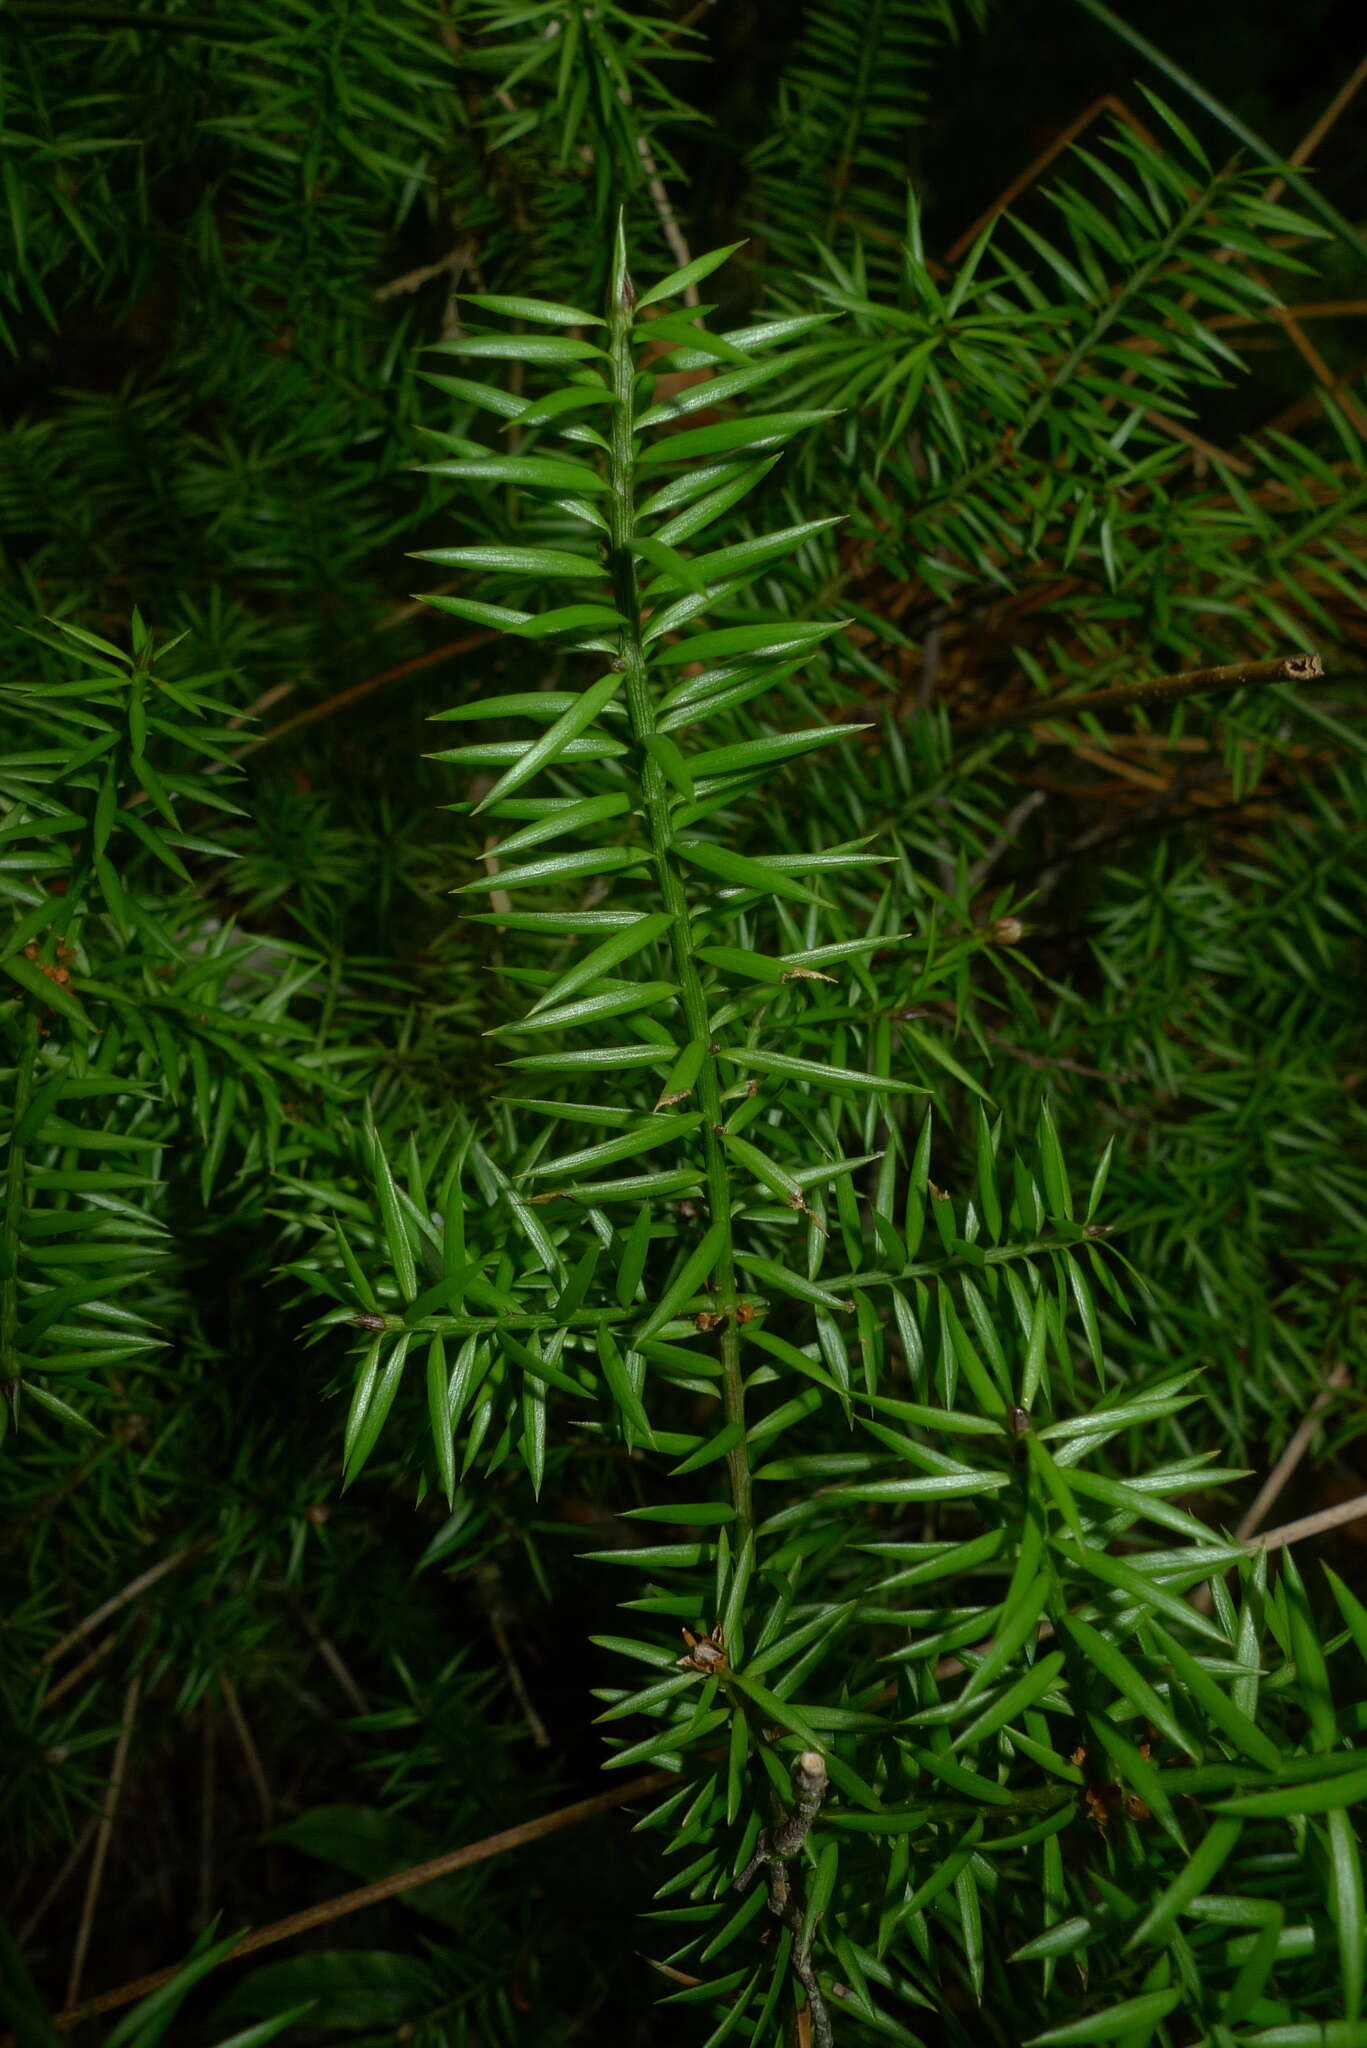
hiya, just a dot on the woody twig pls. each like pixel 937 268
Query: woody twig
pixel 1238 675
pixel 775 1850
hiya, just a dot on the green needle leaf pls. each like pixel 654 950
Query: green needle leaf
pixel 548 749
pixel 543 310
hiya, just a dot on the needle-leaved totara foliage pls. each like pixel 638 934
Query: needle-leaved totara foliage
pixel 709 1150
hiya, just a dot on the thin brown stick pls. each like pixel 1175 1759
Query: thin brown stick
pixel 1284 318
pixel 695 13
pixel 79 1671
pixel 1206 450
pixel 454 260
pixel 1290 1458
pixel 317 712
pixel 103 1835
pixel 1306 407
pixel 1237 675
pixel 1315 135
pixel 1107 104
pixel 69 1862
pixel 669 220
pixel 1312 1525
pixel 1305 309
pixel 208 1799
pixel 386 1888
pixel 536 1727
pixel 275 695
pixel 120 1599
pixel 332 1657
pixel 250 1752
pixel 1275 1483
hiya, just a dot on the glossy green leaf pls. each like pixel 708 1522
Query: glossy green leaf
pixel 521 348
pixel 740 871
pixel 620 946
pixel 544 311
pixel 686 1282
pixel 690 273
pixel 1113 2023
pixel 536 472
pixel 661 1130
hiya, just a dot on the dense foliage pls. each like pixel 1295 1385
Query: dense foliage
pixel 865 1170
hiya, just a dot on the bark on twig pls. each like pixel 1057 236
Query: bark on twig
pixel 1206 682
pixel 775 1850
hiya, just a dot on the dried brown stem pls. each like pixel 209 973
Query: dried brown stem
pixel 120 1599
pixel 79 1671
pixel 1315 135
pixel 332 1657
pixel 669 220
pixel 69 1863
pixel 1276 1480
pixel 386 1888
pixel 316 712
pixel 1313 1525
pixel 1290 1458
pixel 536 1727
pixel 103 1835
pixel 1237 675
pixel 1035 169
pixel 250 1752
pixel 208 1799
pixel 455 260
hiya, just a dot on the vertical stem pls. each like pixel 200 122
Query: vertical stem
pixel 102 1838
pixel 641 709
pixel 14 1205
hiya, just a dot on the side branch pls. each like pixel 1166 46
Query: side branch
pixel 1196 682
pixel 776 1849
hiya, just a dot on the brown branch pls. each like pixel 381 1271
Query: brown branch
pixel 774 1851
pixel 1275 1483
pixel 317 712
pixel 411 281
pixel 386 1888
pixel 102 1838
pixel 1312 1525
pixel 668 218
pixel 208 1799
pixel 1206 450
pixel 120 1599
pixel 79 1671
pixel 332 1657
pixel 1107 104
pixel 1306 309
pixel 1289 668
pixel 1306 407
pixel 250 1752
pixel 69 1863
pixel 1290 1458
pixel 1315 135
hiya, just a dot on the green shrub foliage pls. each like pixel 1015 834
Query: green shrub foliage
pixel 895 1197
